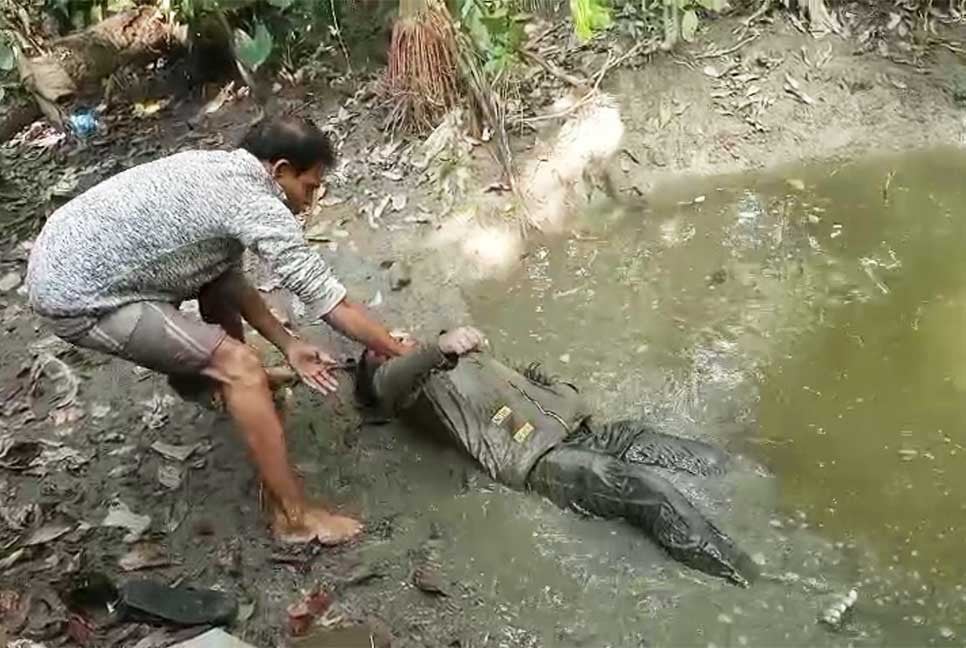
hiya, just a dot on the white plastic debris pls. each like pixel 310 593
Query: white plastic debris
pixel 121 516
pixel 835 613
pixel 9 282
pixel 214 639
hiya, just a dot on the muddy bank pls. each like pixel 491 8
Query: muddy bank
pixel 208 523
pixel 783 98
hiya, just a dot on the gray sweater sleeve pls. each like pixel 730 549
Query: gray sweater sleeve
pixel 269 229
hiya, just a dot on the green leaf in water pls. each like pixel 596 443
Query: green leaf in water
pixel 689 25
pixel 253 51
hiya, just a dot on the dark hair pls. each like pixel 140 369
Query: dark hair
pixel 290 138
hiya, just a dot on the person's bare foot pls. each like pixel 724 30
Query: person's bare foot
pixel 317 524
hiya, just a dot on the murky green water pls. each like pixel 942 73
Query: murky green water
pixel 814 321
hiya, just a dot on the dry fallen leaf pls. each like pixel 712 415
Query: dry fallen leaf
pixel 145 555
pixel 47 533
pixel 178 453
pixel 170 476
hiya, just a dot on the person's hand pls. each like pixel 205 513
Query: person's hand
pixel 461 341
pixel 316 523
pixel 404 342
pixel 313 365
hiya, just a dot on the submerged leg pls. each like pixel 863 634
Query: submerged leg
pixel 598 483
pixel 635 441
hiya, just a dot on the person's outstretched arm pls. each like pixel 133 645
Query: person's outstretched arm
pixel 269 229
pixel 399 378
pixel 352 320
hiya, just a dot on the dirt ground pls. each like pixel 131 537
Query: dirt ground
pixel 782 98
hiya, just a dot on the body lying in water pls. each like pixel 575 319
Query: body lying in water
pixel 535 434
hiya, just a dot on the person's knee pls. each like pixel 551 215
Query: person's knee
pixel 237 364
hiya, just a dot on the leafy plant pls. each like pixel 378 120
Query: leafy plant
pixel 253 50
pixel 496 30
pixel 589 16
pixel 681 19
pixel 79 14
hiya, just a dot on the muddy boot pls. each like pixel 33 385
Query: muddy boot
pixel 179 605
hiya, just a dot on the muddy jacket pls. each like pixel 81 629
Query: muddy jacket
pixel 503 419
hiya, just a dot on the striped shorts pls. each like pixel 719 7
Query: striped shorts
pixel 154 335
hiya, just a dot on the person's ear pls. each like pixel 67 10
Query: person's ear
pixel 282 167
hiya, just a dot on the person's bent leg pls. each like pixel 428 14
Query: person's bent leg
pixel 158 336
pixel 607 487
pixel 248 399
pixel 218 304
pixel 636 441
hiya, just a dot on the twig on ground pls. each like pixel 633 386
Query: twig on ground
pixel 759 12
pixel 730 50
pixel 553 69
pixel 612 62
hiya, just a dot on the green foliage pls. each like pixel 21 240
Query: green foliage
pixel 589 16
pixel 495 29
pixel 253 50
pixel 84 13
pixel 259 29
pixel 681 19
pixel 676 19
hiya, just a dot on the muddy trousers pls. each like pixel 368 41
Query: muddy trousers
pixel 635 441
pixel 602 485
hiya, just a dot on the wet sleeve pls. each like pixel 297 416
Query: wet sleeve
pixel 269 229
pixel 400 378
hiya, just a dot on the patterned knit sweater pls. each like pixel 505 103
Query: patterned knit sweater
pixel 162 230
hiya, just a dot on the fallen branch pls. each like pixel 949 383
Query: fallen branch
pixel 612 62
pixel 759 12
pixel 553 69
pixel 489 103
pixel 731 50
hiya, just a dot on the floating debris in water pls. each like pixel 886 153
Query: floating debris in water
pixel 835 613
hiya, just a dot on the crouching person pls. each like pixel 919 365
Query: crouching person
pixel 111 267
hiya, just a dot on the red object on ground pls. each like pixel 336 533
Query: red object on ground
pixel 302 614
pixel 80 630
